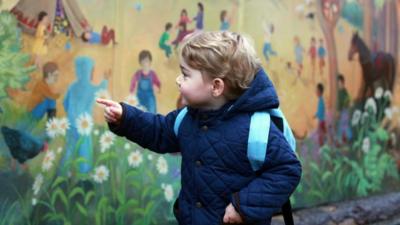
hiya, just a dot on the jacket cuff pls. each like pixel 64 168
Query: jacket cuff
pixel 118 128
pixel 236 204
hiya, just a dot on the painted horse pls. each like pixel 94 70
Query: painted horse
pixel 378 69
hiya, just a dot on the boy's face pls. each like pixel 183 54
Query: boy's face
pixel 196 91
pixel 52 77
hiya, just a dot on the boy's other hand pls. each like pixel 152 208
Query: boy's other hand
pixel 112 110
pixel 231 215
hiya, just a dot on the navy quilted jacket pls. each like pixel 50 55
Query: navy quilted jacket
pixel 215 168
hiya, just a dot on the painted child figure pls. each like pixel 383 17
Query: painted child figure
pixel 344 132
pixel 223 86
pixel 43 99
pixel 321 56
pixel 320 115
pixel 144 81
pixel 163 42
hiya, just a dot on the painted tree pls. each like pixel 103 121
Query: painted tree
pixel 13 63
pixel 328 13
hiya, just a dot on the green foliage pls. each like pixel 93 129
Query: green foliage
pixel 13 69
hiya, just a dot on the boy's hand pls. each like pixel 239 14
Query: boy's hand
pixel 231 216
pixel 112 110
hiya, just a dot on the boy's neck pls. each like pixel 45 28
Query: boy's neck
pixel 215 104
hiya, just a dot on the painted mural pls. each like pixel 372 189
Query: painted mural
pixel 334 64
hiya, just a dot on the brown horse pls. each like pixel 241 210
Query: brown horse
pixel 377 69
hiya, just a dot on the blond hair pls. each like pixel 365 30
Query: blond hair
pixel 225 55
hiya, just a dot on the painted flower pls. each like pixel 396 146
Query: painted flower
pixel 370 105
pixel 37 184
pixel 364 117
pixel 388 113
pixel 84 123
pixel 127 146
pixel 63 126
pixel 101 174
pixel 135 158
pixel 366 145
pixel 150 157
pixel 52 127
pixel 388 95
pixel 131 100
pixel 96 132
pixel 162 165
pixel 106 140
pixel 48 160
pixel 168 192
pixel 34 201
pixel 378 93
pixel 356 117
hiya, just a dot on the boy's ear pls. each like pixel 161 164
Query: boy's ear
pixel 218 87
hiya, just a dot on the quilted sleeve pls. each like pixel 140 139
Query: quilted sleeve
pixel 276 181
pixel 152 131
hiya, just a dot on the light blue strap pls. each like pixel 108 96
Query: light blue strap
pixel 179 119
pixel 287 131
pixel 258 139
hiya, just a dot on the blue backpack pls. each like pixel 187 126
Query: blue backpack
pixel 257 142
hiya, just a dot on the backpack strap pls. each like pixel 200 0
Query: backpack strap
pixel 258 139
pixel 178 120
pixel 287 131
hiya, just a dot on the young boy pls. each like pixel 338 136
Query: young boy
pixel 43 99
pixel 320 114
pixel 163 42
pixel 144 80
pixel 223 85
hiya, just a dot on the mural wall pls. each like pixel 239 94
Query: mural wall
pixel 334 64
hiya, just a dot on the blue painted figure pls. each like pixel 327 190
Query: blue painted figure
pixel 79 99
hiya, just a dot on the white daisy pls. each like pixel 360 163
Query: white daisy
pixel 104 94
pixel 135 158
pixel 370 105
pixel 34 201
pixel 127 146
pixel 162 165
pixel 366 145
pixel 168 193
pixel 388 95
pixel 37 184
pixel 356 117
pixel 84 123
pixel 388 113
pixel 63 126
pixel 131 100
pixel 378 93
pixel 106 140
pixel 48 161
pixel 52 127
pixel 101 174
